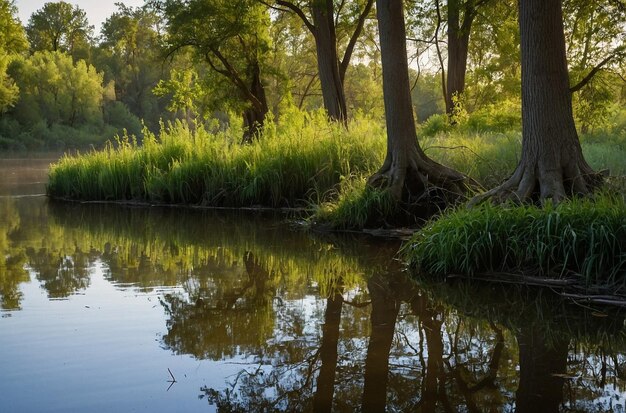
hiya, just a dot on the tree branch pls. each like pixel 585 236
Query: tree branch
pixel 298 11
pixel 618 52
pixel 306 91
pixel 339 9
pixel 343 65
pixel 232 74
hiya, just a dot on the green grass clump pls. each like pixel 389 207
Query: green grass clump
pixel 357 206
pixel 582 236
pixel 296 162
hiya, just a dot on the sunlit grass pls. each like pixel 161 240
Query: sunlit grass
pixel 356 206
pixel 296 162
pixel 583 236
pixel 301 160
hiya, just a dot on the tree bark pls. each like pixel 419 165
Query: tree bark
pixel 458 46
pixel 407 172
pixel 552 165
pixel 328 60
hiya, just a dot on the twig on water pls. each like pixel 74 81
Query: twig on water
pixel 171 381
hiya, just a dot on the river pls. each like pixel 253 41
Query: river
pixel 118 308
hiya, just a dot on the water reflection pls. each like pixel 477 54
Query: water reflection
pixel 319 324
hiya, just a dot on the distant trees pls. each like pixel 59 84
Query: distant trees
pixel 129 55
pixel 54 89
pixel 60 27
pixel 12 41
pixel 12 35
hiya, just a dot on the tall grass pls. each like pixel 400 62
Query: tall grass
pixel 296 162
pixel 582 236
pixel 300 160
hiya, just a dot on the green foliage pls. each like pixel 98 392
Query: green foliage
pixel 12 42
pixel 53 103
pixel 299 160
pixel 130 56
pixel 12 34
pixel 57 90
pixel 487 157
pixel 60 27
pixel 585 238
pixel 9 92
pixel 364 90
pixel 426 96
pixel 231 37
pixel 187 95
pixel 502 117
pixel 118 116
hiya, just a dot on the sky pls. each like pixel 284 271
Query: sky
pixel 97 10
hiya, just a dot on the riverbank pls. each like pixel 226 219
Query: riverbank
pixel 319 169
pixel 579 243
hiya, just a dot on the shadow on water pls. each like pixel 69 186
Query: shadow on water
pixel 330 324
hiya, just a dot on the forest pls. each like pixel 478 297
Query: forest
pixel 362 114
pixel 217 64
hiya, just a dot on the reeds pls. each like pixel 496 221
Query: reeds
pixel 295 163
pixel 586 237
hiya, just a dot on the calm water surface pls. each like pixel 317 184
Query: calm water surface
pixel 98 304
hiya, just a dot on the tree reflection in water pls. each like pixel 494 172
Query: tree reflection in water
pixel 542 370
pixel 427 355
pixel 324 325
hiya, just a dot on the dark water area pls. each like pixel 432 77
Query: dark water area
pixel 113 308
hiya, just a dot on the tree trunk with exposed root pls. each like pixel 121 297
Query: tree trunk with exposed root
pixel 552 166
pixel 407 172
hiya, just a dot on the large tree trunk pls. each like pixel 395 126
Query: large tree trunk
pixel 552 164
pixel 254 116
pixel 407 172
pixel 327 59
pixel 458 45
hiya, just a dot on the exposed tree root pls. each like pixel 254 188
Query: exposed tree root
pixel 416 178
pixel 530 183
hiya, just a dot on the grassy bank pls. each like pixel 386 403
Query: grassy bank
pixel 296 162
pixel 488 157
pixel 583 238
pixel 300 160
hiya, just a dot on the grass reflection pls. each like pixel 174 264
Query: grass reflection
pixel 321 323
